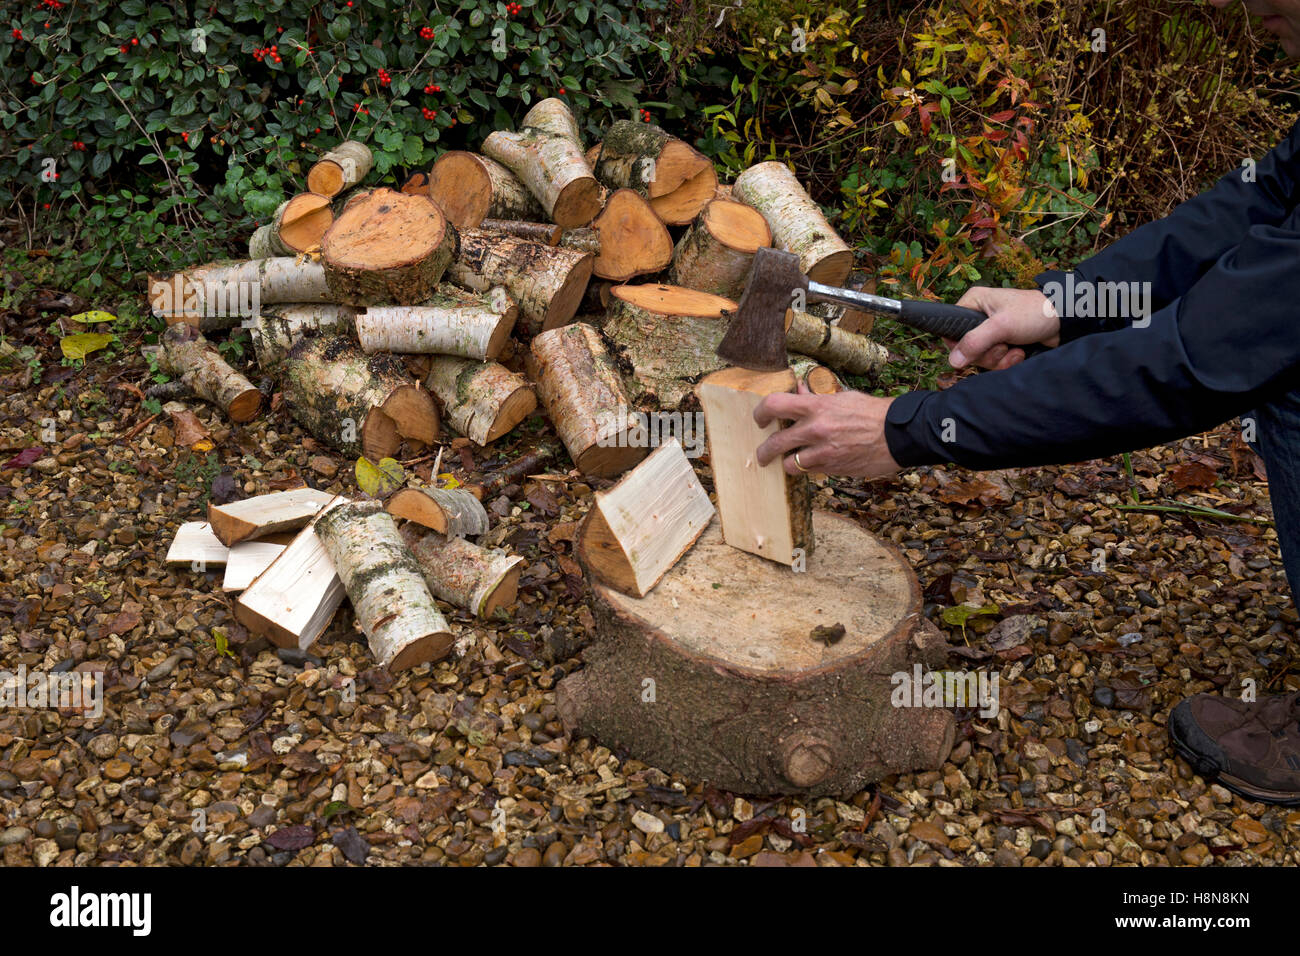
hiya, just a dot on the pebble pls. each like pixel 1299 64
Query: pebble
pixel 14 835
pixel 555 854
pixel 528 856
pixel 494 856
pixel 8 781
pixel 1103 696
pixel 647 822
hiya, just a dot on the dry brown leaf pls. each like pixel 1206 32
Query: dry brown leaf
pixel 188 429
pixel 1192 474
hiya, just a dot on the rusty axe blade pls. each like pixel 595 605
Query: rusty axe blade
pixel 755 338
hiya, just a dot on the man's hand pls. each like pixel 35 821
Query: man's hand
pixel 840 434
pixel 1015 317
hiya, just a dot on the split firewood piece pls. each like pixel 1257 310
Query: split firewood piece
pixel 340 169
pixel 246 561
pixel 450 322
pixel 845 351
pixel 451 511
pixel 296 226
pixel 187 355
pixel 547 233
pixel 583 394
pixel 627 238
pixel 715 253
pixel 220 295
pixel 471 188
pixel 262 515
pixel 677 178
pixel 819 379
pixel 669 335
pixel 462 573
pixel 547 283
pixel 797 222
pixel 481 400
pixel 362 404
pixel 196 545
pixel 763 510
pixel 292 601
pixel 277 329
pixel 387 246
pixel 385 584
pixel 546 154
pixel 642 526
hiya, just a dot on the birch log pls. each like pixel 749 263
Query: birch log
pixel 462 573
pixel 450 511
pixel 385 584
pixel 715 253
pixel 796 221
pixel 481 400
pixel 186 354
pixel 547 233
pixel 275 330
pixel 296 226
pixel 471 188
pixel 340 169
pixel 841 350
pixel 676 178
pixel 219 295
pixel 450 322
pixel 627 238
pixel 819 379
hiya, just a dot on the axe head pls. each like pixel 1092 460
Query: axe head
pixel 755 338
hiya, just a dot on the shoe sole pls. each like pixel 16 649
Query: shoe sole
pixel 1238 786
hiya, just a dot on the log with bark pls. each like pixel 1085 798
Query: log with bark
pixel 819 379
pixel 676 178
pixel 547 283
pixel 715 253
pixel 385 247
pixel 385 584
pixel 471 188
pixel 361 404
pixel 627 238
pixel 580 386
pixel 737 673
pixel 220 295
pixel 263 515
pixel 481 400
pixel 546 154
pixel 797 222
pixel 844 351
pixel 184 353
pixel 451 321
pixel 454 512
pixel 462 573
pixel 296 226
pixel 340 169
pixel 292 601
pixel 547 233
pixel 275 330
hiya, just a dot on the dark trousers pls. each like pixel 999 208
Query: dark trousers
pixel 1277 439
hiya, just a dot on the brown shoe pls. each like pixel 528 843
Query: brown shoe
pixel 1252 749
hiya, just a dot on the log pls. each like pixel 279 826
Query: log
pixel 547 283
pixel 263 515
pixel 340 169
pixel 275 330
pixel 361 404
pixel 675 177
pixel 387 247
pixel 546 154
pixel 385 584
pixel 580 387
pixel 547 233
pixel 292 601
pixel 297 226
pixel 819 379
pixel 642 526
pixel 450 322
pixel 627 238
pixel 762 509
pixel 187 355
pixel 196 545
pixel 481 400
pixel 796 221
pixel 471 188
pixel 219 295
pixel 717 674
pixel 451 511
pixel 516 471
pixel 246 561
pixel 841 350
pixel 463 574
pixel 668 335
pixel 715 253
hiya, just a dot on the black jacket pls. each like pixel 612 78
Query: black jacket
pixel 1223 337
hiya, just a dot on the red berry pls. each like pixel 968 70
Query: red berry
pixel 134 42
pixel 561 91
pixel 18 34
pixel 47 205
pixel 123 48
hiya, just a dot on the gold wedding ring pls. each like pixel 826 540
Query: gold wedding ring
pixel 798 464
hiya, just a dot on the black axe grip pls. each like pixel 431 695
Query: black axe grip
pixel 948 321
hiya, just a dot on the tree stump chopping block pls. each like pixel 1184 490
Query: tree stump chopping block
pixel 730 671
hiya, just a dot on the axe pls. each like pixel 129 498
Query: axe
pixel 756 337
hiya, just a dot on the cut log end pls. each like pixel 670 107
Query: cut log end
pixel 684 203
pixel 305 220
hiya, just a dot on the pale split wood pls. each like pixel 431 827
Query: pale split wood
pixel 450 321
pixel 263 515
pixel 451 511
pixel 481 400
pixel 464 574
pixel 195 544
pixel 246 561
pixel 292 601
pixel 187 355
pixel 797 222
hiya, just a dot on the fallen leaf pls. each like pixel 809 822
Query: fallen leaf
pixel 83 343
pixel 977 489
pixel 353 845
pixel 25 457
pixel 189 430
pixel 292 838
pixel 93 316
pixel 1192 474
pixel 379 481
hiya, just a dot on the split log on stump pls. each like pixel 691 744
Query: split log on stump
pixel 451 511
pixel 715 253
pixel 547 233
pixel 219 295
pixel 463 574
pixel 471 188
pixel 295 227
pixel 819 379
pixel 583 394
pixel 481 400
pixel 187 355
pixel 627 238
pixel 547 283
pixel 642 526
pixel 385 584
pixel 763 510
pixel 264 515
pixel 796 221
pixel 279 328
pixel 546 154
pixel 676 178
pixel 292 601
pixel 362 404
pixel 669 336
pixel 841 350
pixel 387 247
pixel 340 169
pixel 450 322
pixel 745 698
